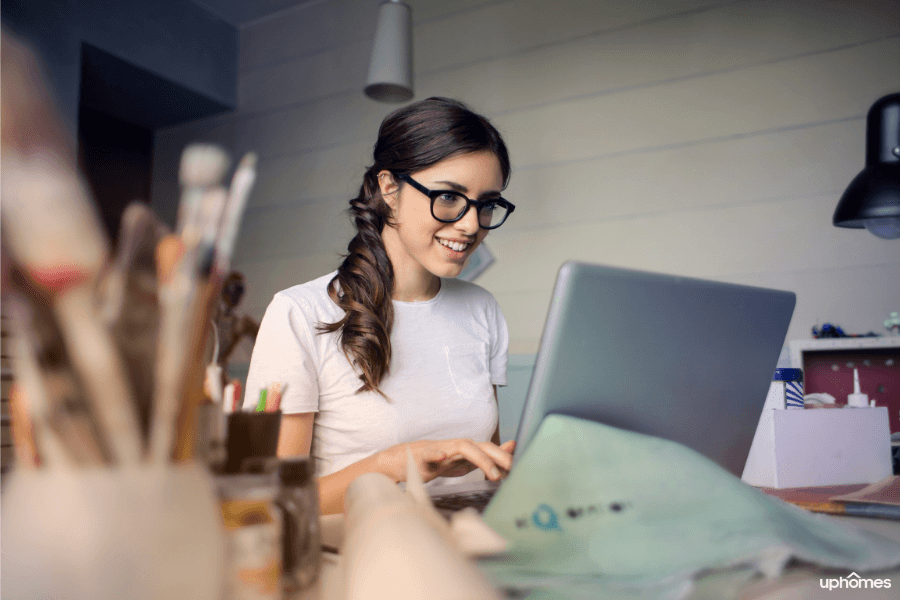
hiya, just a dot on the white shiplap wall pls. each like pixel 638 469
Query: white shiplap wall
pixel 697 137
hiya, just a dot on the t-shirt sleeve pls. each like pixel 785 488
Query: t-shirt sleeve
pixel 284 352
pixel 499 346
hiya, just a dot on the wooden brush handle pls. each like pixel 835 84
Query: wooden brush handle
pixel 192 393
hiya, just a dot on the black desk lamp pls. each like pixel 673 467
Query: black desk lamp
pixel 873 198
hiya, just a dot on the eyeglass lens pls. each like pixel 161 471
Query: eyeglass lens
pixel 450 207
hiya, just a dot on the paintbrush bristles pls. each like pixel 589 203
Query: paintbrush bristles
pixel 238 194
pixel 203 165
pixel 49 222
pixel 248 161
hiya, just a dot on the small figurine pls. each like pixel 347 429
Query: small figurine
pixel 230 327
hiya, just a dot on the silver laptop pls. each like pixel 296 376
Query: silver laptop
pixel 679 358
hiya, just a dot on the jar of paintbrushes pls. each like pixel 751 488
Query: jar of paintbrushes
pixel 107 500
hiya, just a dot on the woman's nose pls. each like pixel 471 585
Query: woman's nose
pixel 469 222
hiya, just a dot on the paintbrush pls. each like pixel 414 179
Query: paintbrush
pixel 238 194
pixel 214 259
pixel 52 230
pixel 208 283
pixel 66 432
pixel 183 296
pixel 127 299
pixel 36 443
pixel 54 235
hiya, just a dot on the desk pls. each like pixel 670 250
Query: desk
pixel 795 583
pixel 803 582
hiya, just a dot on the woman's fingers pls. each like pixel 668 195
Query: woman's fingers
pixel 498 454
pixel 486 456
pixel 434 458
pixel 453 458
pixel 481 459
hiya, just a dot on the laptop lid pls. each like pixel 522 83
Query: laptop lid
pixel 684 359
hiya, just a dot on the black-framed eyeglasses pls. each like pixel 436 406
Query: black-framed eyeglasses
pixel 448 206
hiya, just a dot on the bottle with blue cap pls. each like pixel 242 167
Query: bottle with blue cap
pixel 787 385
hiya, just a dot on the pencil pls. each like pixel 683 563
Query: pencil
pixel 261 405
pixel 273 400
pixel 238 394
pixel 852 509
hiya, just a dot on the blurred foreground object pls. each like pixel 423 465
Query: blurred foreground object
pixel 109 350
pixel 138 532
pixel 108 363
pixel 388 532
pixel 56 244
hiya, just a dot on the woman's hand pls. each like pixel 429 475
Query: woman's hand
pixel 448 458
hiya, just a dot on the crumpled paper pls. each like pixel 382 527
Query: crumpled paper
pixel 595 511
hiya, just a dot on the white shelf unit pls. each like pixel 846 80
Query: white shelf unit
pixel 799 347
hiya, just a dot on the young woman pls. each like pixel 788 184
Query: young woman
pixel 391 352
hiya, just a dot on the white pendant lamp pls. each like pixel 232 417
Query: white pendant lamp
pixel 390 72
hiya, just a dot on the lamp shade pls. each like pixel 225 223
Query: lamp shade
pixel 390 69
pixel 872 200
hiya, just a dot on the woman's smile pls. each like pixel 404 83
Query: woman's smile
pixel 458 249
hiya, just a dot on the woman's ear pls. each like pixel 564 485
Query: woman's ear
pixel 389 188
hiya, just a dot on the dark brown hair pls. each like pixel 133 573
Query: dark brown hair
pixel 410 139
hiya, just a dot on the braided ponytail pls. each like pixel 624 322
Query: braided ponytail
pixel 362 287
pixel 410 139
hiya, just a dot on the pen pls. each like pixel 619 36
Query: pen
pixel 261 405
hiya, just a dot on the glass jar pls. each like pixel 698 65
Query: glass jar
pixel 299 502
pixel 253 536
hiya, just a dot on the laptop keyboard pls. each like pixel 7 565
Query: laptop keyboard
pixel 453 502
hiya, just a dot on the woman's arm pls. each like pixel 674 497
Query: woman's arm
pixel 295 439
pixel 434 459
pixel 295 436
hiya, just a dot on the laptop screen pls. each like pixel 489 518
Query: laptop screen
pixel 680 358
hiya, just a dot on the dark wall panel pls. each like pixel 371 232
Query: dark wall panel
pixel 173 43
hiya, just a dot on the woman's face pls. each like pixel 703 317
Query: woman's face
pixel 418 244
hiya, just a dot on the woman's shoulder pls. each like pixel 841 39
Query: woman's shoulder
pixel 310 295
pixel 467 291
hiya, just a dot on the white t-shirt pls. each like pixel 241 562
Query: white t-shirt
pixel 447 353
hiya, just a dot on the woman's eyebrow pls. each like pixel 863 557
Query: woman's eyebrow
pixel 463 189
pixel 454 186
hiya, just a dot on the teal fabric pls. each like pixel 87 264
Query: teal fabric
pixel 591 509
